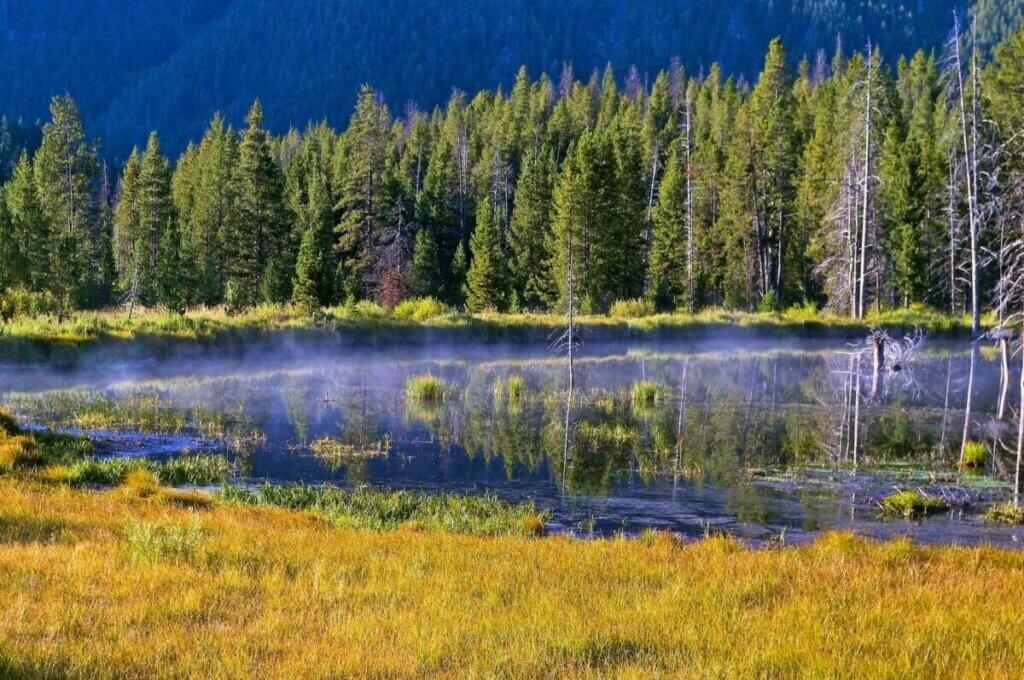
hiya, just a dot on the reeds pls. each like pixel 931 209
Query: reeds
pixel 427 387
pixel 911 505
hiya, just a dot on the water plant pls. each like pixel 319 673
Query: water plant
pixel 365 508
pixel 425 387
pixel 1005 513
pixel 975 455
pixel 199 470
pixel 646 392
pixel 911 505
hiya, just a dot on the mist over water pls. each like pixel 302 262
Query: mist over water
pixel 764 439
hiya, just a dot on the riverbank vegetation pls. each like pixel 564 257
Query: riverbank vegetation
pixel 119 584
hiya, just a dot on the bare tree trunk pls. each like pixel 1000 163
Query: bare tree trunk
pixel 571 376
pixel 689 210
pixel 967 405
pixel 969 168
pixel 867 189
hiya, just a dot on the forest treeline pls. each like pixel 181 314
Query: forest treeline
pixel 851 183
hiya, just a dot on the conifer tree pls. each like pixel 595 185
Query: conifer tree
pixel 426 271
pixel 457 276
pixel 11 261
pixel 314 273
pixel 157 228
pixel 487 278
pixel 257 240
pixel 667 280
pixel 65 172
pixel 530 231
pixel 28 226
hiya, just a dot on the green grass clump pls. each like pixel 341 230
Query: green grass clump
pixel 426 387
pixel 515 385
pixel 975 455
pixel 420 309
pixel 645 392
pixel 382 510
pixel 151 541
pixel 142 483
pixel 912 505
pixel 1005 513
pixel 199 470
pixel 631 309
pixel 19 451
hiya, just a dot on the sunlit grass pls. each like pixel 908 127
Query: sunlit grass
pixel 101 585
pixel 975 455
pixel 427 387
pixel 912 505
pixel 1005 513
pixel 646 392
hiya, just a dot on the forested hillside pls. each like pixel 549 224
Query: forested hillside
pixel 854 182
pixel 137 65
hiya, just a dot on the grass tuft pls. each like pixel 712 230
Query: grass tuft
pixel 631 309
pixel 912 505
pixel 1005 513
pixel 152 541
pixel 141 483
pixel 975 455
pixel 646 392
pixel 426 387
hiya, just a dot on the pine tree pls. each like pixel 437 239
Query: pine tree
pixel 28 226
pixel 530 231
pixel 12 269
pixel 156 219
pixel 360 176
pixel 314 273
pixel 126 223
pixel 257 241
pixel 487 279
pixel 457 276
pixel 426 271
pixel 65 172
pixel 667 278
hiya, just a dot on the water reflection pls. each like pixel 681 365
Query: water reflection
pixel 754 443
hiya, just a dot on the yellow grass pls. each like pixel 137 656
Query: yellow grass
pixel 98 585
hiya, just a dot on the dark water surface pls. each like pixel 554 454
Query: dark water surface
pixel 765 441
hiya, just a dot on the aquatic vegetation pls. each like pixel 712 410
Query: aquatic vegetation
pixel 364 508
pixel 646 392
pixel 306 593
pixel 1005 513
pixel 198 470
pixel 631 309
pixel 420 309
pixel 426 387
pixel 912 505
pixel 335 450
pixel 514 385
pixel 975 455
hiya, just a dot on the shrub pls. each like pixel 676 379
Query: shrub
pixel 16 303
pixel 1005 513
pixel 426 387
pixel 975 455
pixel 911 505
pixel 631 309
pixel 420 309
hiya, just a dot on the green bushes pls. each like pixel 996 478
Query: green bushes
pixel 365 508
pixel 19 303
pixel 631 309
pixel 420 309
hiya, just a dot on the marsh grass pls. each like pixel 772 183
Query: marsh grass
pixel 427 388
pixel 911 505
pixel 975 455
pixel 646 392
pixel 364 508
pixel 1005 513
pixel 141 483
pixel 101 586
pixel 198 470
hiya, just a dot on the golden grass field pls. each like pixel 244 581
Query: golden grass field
pixel 121 584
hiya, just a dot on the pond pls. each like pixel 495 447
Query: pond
pixel 767 441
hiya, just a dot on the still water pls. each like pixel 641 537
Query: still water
pixel 765 441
